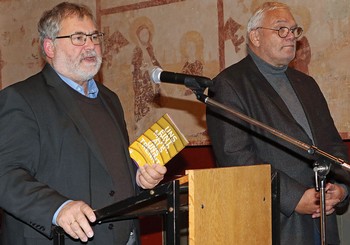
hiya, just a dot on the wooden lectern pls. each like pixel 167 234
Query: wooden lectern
pixel 233 205
pixel 230 206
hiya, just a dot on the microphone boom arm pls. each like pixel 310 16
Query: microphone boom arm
pixel 310 149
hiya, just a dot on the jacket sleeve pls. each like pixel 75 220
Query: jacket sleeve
pixel 22 195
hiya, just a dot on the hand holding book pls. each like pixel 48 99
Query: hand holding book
pixel 158 144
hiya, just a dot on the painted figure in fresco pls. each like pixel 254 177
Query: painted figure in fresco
pixel 147 94
pixel 263 87
pixel 64 143
pixel 113 43
pixel 230 29
pixel 191 48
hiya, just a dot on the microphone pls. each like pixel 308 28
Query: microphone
pixel 158 75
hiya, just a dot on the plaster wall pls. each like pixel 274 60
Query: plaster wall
pixel 198 37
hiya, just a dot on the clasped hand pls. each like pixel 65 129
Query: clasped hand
pixel 310 201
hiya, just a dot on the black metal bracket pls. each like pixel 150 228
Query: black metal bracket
pixel 167 199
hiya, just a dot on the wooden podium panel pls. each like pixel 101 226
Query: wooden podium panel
pixel 230 205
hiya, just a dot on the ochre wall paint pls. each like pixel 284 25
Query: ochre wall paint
pixel 198 37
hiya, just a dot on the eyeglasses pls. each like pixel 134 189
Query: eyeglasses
pixel 284 31
pixel 79 39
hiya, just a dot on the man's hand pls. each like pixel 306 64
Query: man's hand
pixel 148 176
pixel 310 201
pixel 74 218
pixel 334 194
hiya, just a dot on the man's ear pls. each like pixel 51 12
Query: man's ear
pixel 49 48
pixel 254 37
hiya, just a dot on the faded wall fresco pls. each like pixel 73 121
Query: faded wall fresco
pixel 198 37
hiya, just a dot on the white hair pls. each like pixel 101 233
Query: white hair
pixel 259 14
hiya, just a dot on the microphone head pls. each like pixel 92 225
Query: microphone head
pixel 155 74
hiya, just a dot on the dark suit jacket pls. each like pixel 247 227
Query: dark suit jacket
pixel 48 155
pixel 243 87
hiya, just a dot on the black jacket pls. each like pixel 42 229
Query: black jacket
pixel 48 155
pixel 243 87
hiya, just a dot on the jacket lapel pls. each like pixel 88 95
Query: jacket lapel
pixel 263 85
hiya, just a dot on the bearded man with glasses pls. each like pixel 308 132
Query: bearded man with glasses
pixel 64 142
pixel 263 87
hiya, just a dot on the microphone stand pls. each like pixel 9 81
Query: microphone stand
pixel 321 167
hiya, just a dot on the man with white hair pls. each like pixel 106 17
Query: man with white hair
pixel 263 87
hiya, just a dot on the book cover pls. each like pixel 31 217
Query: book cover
pixel 159 143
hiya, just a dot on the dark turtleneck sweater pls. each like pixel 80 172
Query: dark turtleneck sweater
pixel 278 79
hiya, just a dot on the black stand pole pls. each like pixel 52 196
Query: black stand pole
pixel 321 167
pixel 323 210
pixel 58 236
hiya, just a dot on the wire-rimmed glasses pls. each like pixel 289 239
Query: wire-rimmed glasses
pixel 79 39
pixel 284 31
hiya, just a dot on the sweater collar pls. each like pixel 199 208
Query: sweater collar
pixel 265 67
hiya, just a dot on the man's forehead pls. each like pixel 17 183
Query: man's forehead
pixel 77 23
pixel 278 16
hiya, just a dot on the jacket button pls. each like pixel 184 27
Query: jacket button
pixel 110 226
pixel 111 193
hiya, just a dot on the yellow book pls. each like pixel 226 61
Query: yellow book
pixel 159 143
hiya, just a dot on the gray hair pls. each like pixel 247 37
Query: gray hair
pixel 259 14
pixel 50 22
